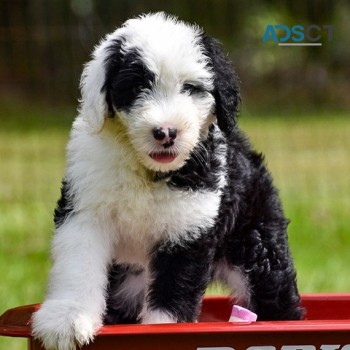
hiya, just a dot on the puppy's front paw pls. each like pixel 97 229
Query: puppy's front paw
pixel 62 324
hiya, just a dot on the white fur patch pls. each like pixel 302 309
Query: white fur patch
pixel 235 280
pixel 132 208
pixel 157 316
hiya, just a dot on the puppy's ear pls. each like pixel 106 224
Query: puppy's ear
pixel 226 85
pixel 95 104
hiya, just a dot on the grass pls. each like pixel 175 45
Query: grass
pixel 308 156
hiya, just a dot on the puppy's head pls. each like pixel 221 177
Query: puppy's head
pixel 164 82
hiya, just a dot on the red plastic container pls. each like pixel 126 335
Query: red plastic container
pixel 326 327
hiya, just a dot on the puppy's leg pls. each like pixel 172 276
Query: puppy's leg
pixel 179 275
pixel 75 303
pixel 264 259
pixel 125 294
pixel 273 284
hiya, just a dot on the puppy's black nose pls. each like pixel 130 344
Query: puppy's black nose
pixel 161 134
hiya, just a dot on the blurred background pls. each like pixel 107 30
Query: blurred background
pixel 295 110
pixel 44 44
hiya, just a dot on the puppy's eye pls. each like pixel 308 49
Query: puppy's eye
pixel 192 89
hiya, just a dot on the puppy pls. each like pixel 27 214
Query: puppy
pixel 162 192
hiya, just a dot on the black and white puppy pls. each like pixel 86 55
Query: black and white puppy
pixel 162 192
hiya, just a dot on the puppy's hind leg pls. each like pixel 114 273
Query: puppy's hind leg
pixel 125 294
pixel 264 258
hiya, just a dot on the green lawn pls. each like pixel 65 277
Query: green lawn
pixel 309 157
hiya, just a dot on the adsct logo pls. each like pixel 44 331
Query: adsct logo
pixel 298 35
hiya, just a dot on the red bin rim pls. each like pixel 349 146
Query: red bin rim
pixel 16 322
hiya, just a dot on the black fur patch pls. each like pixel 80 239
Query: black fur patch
pixel 126 77
pixel 64 205
pixel 255 238
pixel 180 275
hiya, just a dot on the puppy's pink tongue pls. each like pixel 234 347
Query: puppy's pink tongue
pixel 163 157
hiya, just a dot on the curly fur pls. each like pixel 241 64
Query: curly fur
pixel 162 193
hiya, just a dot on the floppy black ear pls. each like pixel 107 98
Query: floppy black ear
pixel 226 85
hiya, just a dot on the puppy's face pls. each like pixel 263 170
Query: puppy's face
pixel 159 84
pixel 159 87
